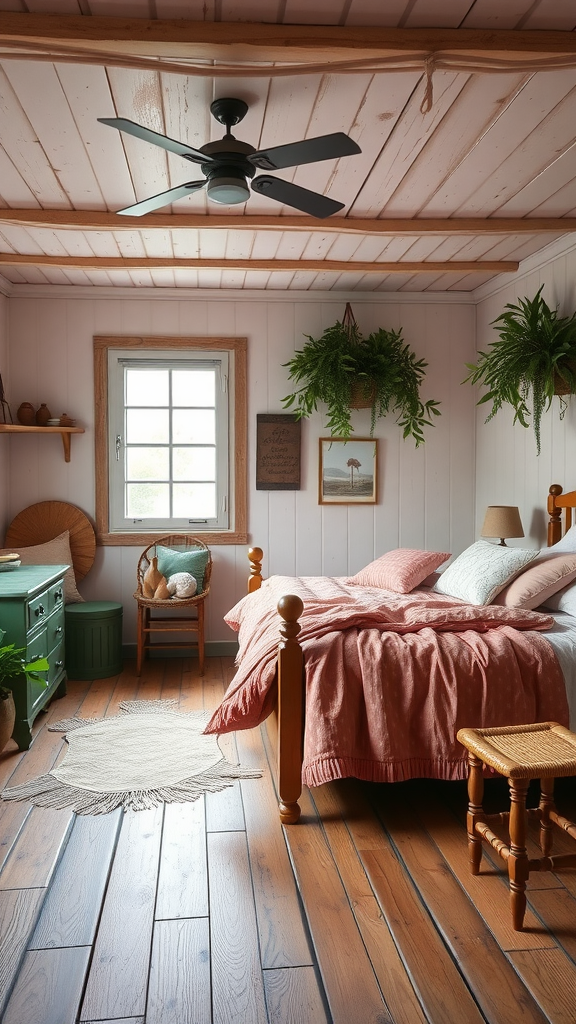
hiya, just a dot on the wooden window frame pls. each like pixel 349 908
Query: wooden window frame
pixel 237 348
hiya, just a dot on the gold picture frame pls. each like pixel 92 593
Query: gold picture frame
pixel 347 471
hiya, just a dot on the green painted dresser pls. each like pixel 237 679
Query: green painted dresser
pixel 32 615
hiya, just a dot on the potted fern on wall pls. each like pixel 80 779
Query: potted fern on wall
pixel 345 371
pixel 532 360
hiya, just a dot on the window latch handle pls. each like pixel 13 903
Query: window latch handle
pixel 118 447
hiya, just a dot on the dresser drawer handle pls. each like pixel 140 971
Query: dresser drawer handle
pixel 58 629
pixel 39 610
pixel 58 595
pixel 59 664
pixel 36 657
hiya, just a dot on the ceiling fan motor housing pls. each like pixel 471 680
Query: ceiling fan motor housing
pixel 228 152
pixel 228 170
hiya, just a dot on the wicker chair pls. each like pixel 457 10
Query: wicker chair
pixel 192 619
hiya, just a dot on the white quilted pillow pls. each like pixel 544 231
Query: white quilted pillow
pixel 482 571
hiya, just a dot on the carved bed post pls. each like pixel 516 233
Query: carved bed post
pixel 556 502
pixel 555 513
pixel 255 577
pixel 290 710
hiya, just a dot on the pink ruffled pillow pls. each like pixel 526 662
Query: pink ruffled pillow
pixel 400 570
pixel 536 584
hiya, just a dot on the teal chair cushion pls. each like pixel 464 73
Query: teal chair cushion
pixel 192 561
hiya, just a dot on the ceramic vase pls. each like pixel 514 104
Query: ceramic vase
pixel 43 414
pixel 152 578
pixel 26 415
pixel 66 420
pixel 7 719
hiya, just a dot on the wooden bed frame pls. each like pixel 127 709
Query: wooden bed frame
pixel 286 725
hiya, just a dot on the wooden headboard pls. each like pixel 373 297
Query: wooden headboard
pixel 558 502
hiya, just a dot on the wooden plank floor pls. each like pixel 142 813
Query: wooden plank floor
pixel 211 913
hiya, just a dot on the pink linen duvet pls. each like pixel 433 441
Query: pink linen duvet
pixel 390 678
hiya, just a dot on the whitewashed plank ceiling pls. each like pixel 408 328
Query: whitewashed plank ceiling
pixel 464 112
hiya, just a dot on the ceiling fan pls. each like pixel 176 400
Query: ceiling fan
pixel 228 164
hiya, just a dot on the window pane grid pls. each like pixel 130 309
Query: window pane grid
pixel 174 495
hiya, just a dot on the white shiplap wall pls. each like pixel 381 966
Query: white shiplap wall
pixel 426 496
pixel 508 470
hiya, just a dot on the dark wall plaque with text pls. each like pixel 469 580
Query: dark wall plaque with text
pixel 277 452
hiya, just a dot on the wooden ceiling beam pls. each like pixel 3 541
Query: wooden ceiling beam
pixel 245 41
pixel 84 220
pixel 317 266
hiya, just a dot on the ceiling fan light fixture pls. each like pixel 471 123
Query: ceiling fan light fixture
pixel 228 191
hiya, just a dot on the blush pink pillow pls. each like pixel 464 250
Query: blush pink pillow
pixel 539 582
pixel 400 570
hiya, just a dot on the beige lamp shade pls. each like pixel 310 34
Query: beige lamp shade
pixel 502 521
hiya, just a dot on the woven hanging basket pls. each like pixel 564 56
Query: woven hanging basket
pixel 362 395
pixel 560 385
pixel 363 392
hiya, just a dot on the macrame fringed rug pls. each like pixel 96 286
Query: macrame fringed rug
pixel 149 754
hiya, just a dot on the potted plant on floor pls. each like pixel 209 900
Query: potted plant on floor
pixel 12 665
pixel 533 359
pixel 345 371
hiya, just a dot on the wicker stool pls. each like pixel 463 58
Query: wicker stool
pixel 543 751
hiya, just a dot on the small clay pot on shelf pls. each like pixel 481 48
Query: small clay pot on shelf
pixel 43 414
pixel 26 415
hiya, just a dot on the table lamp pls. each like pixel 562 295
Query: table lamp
pixel 502 521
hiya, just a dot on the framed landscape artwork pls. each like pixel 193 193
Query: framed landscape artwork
pixel 347 471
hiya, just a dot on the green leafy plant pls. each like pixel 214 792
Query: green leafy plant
pixel 535 353
pixel 12 664
pixel 332 369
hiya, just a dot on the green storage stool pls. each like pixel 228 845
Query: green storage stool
pixel 93 639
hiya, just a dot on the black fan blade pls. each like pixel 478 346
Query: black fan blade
pixel 123 125
pixel 324 147
pixel 292 195
pixel 162 199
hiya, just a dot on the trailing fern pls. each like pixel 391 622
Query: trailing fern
pixel 12 664
pixel 383 365
pixel 536 347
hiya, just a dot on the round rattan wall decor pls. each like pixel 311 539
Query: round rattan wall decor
pixel 48 519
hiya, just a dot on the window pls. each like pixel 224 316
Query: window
pixel 170 438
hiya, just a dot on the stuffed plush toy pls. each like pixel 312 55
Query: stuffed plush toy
pixel 181 584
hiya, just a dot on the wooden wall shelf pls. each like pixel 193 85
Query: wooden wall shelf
pixel 17 428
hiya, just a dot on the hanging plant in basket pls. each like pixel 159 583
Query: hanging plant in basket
pixel 533 359
pixel 345 371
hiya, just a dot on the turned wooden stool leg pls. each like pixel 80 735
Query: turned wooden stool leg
pixel 545 806
pixel 201 637
pixel 518 868
pixel 475 811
